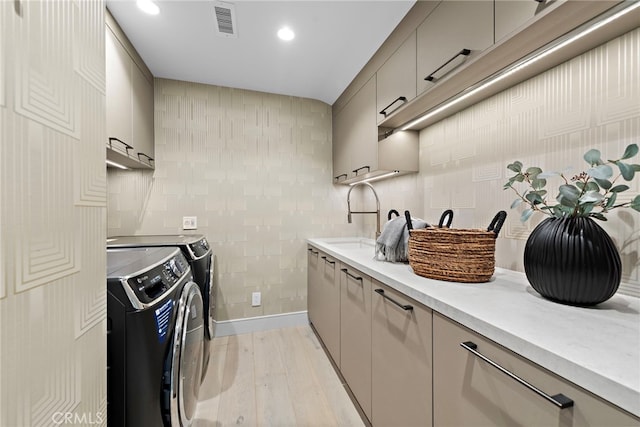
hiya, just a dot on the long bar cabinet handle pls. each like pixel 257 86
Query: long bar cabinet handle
pixel 313 252
pixel 360 168
pixel 463 52
pixel 327 260
pixel 560 400
pixel 400 98
pixel 337 178
pixel 149 159
pixel 127 147
pixel 405 307
pixel 350 275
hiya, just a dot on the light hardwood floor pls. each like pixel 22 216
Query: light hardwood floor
pixel 273 378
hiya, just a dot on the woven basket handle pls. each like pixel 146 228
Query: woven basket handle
pixel 445 214
pixel 497 222
pixel 391 212
pixel 407 216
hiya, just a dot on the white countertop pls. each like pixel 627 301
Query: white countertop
pixel 596 348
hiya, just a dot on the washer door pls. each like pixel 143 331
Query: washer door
pixel 186 369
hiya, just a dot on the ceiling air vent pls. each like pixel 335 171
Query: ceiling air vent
pixel 226 19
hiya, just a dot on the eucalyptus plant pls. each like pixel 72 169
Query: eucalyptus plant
pixel 591 193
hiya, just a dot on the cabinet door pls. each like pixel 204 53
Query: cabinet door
pixel 330 311
pixel 313 285
pixel 511 15
pixel 363 140
pixel 142 112
pixel 452 27
pixel 118 89
pixel 401 360
pixel 355 334
pixel 469 391
pixel 397 78
pixel 341 156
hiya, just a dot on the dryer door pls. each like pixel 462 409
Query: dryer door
pixel 186 370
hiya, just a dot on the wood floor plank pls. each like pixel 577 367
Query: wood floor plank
pixel 342 406
pixel 279 378
pixel 311 404
pixel 237 404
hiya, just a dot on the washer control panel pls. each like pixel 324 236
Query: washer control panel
pixel 199 248
pixel 152 284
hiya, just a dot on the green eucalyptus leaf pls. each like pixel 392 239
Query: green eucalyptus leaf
pixel 619 188
pixel 518 178
pixel 604 183
pixel 563 211
pixel 636 168
pixel 592 186
pixel 533 198
pixel 630 151
pixel 567 202
pixel 598 215
pixel 570 192
pixel 611 201
pixel 635 203
pixel 580 185
pixel 506 186
pixel 626 170
pixel 534 171
pixel 515 203
pixel 601 172
pixel 591 197
pixel 526 214
pixel 593 157
pixel 538 184
pixel 515 166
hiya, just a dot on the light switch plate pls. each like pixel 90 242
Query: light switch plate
pixel 256 299
pixel 189 222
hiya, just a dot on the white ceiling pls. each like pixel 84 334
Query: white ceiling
pixel 334 40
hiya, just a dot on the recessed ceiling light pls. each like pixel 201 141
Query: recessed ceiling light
pixel 148 6
pixel 286 34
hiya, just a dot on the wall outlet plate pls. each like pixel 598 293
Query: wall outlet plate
pixel 189 222
pixel 255 299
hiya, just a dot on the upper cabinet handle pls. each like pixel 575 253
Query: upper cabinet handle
pixel 337 178
pixel 359 169
pixel 431 77
pixel 405 307
pixel 560 400
pixel 127 147
pixel 142 154
pixel 400 98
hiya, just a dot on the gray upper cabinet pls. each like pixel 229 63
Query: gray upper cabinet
pixel 396 79
pixel 453 28
pixel 511 15
pixel 129 102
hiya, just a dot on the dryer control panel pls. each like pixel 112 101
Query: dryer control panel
pixel 152 284
pixel 199 248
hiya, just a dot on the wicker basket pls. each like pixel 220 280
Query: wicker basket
pixel 455 255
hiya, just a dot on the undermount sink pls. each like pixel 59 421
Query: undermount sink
pixel 355 243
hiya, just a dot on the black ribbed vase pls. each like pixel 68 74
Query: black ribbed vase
pixel 572 261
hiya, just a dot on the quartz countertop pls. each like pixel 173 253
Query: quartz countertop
pixel 596 348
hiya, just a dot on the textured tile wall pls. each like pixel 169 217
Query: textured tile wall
pixel 52 212
pixel 592 101
pixel 255 169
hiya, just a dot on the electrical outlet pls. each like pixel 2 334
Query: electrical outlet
pixel 255 299
pixel 189 222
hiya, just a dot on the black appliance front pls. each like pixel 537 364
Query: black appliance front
pixel 154 338
pixel 200 256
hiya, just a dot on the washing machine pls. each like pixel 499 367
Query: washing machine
pixel 200 257
pixel 154 338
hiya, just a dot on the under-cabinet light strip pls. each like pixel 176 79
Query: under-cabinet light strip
pixel 531 59
pixel 118 165
pixel 375 178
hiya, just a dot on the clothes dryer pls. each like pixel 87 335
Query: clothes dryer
pixel 201 259
pixel 154 338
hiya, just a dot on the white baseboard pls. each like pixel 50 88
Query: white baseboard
pixel 262 323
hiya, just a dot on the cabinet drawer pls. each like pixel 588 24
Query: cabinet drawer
pixel 470 391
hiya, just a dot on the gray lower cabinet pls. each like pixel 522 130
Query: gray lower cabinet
pixel 323 299
pixel 471 391
pixel 355 334
pixel 401 360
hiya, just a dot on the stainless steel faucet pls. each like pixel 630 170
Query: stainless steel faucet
pixel 376 212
